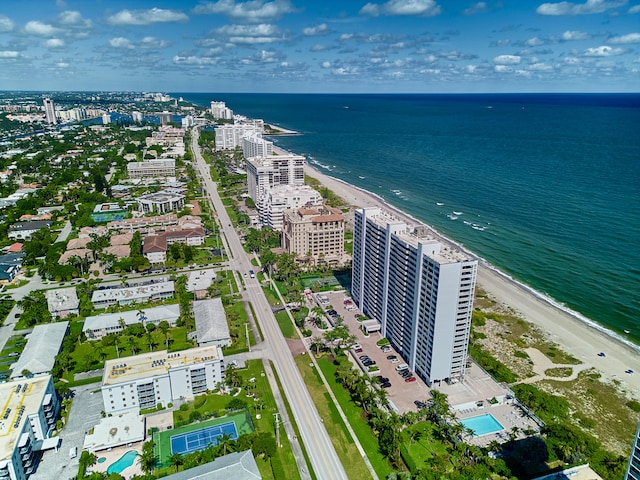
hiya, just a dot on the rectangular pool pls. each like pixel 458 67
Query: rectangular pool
pixel 482 424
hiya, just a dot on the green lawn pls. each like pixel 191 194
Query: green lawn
pixel 272 298
pixel 236 318
pixel 342 441
pixel 358 423
pixel 286 326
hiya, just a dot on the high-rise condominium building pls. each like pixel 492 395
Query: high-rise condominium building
pixel 265 173
pixel 49 111
pixel 420 290
pixel 633 470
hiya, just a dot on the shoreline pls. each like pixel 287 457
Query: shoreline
pixel 577 335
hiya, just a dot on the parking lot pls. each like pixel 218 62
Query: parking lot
pixel 401 394
pixel 85 414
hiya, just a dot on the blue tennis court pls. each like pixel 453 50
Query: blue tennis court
pixel 201 439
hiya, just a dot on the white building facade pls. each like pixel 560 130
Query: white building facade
pixel 285 197
pixel 256 146
pixel 265 173
pixel 146 380
pixel 27 419
pixel 230 136
pixel 420 290
pixel 164 167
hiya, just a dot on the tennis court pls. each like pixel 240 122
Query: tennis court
pixel 202 438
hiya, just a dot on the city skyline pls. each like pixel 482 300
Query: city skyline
pixel 283 46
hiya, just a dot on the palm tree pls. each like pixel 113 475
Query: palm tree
pixel 132 344
pixel 317 343
pixel 225 442
pixel 176 460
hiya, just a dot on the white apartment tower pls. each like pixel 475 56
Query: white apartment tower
pixel 230 136
pixel 256 146
pixel 265 173
pixel 420 290
pixel 220 110
pixel 633 469
pixel 49 111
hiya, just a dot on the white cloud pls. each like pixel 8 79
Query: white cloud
pixel 153 42
pixel 120 42
pixel 40 29
pixel 534 42
pixel 471 68
pixel 55 43
pixel 602 51
pixel 502 68
pixel 506 59
pixel 262 57
pixel 251 34
pixel 575 35
pixel 62 65
pixel 476 8
pixel 321 29
pixel 146 17
pixel 568 8
pixel 253 11
pixel 73 18
pixel 192 60
pixel 540 67
pixel 623 39
pixel 326 64
pixel 9 54
pixel 635 9
pixel 571 60
pixel 419 8
pixel 6 25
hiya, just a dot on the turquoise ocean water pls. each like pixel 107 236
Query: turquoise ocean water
pixel 544 187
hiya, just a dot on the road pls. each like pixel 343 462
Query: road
pixel 324 459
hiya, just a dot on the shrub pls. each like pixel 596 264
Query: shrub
pixel 633 405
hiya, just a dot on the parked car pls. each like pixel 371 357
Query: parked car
pixel 385 348
pixel 391 357
pixel 402 366
pixel 410 379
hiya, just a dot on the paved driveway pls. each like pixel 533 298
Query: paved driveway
pixel 85 414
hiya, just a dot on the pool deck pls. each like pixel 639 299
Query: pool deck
pixel 508 415
pixel 112 455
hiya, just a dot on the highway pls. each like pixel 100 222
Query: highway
pixel 324 459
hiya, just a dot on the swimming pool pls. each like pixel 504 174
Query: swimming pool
pixel 125 461
pixel 102 459
pixel 482 424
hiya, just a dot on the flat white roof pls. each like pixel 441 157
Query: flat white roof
pixel 148 365
pixel 30 396
pixel 115 430
pixel 43 345
pixel 62 299
pixel 133 293
pixel 200 280
pixel 170 313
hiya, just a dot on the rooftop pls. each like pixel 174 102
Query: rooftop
pixel 43 345
pixel 133 293
pixel 146 365
pixel 161 197
pixel 200 280
pixel 62 299
pixel 24 396
pixel 211 321
pixel 170 313
pixel 115 430
pixel 417 234
pixel 237 465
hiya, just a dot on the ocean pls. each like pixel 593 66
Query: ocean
pixel 545 187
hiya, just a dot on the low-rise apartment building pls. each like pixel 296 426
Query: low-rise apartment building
pixel 163 167
pixel 146 380
pixel 135 294
pixel 161 202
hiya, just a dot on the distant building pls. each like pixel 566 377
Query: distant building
pixel 106 119
pixel 146 380
pixel 266 173
pixel 230 136
pixel 29 408
pixel 154 249
pixel 633 470
pixel 164 167
pixel 211 323
pixel 285 197
pixel 256 146
pixel 314 234
pixel 39 354
pixel 187 121
pixel 62 302
pixel 49 111
pixel 236 466
pixel 136 117
pixel 420 290
pixel 98 326
pixel 161 202
pixel 199 281
pixel 24 230
pixel 136 294
pixel 165 118
pixel 219 110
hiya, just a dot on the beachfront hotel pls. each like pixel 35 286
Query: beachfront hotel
pixel 265 173
pixel 146 380
pixel 420 291
pixel 27 419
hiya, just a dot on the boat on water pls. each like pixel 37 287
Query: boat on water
pixel 627 332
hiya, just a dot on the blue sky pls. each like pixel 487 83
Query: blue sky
pixel 429 46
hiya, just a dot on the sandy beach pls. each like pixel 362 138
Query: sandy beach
pixel 572 335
